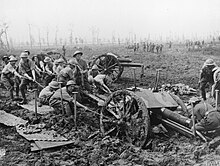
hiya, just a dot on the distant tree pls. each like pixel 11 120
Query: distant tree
pixel 4 34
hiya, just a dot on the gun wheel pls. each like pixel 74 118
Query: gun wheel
pixel 109 65
pixel 125 115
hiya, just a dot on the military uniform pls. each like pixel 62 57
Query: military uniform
pixel 206 76
pixel 7 78
pixel 65 75
pixel 200 109
pixel 49 75
pixel 211 121
pixel 25 68
pixel 55 100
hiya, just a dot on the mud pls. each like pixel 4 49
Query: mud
pixel 90 148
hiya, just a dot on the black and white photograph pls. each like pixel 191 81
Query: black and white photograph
pixel 109 83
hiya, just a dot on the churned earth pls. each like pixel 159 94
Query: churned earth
pixel 90 148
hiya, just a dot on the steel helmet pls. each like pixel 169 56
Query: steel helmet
pixel 70 82
pixel 54 84
pixel 77 52
pixel 23 55
pixel 12 58
pixel 72 62
pixel 47 59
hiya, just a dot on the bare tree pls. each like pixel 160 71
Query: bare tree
pixel 56 40
pixel 39 37
pixel 47 37
pixel 4 34
pixel 30 37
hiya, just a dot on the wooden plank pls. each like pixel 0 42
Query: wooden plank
pixel 10 120
pixel 40 145
pixel 40 110
pixel 43 135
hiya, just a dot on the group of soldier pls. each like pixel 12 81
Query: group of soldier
pixel 207 116
pixel 64 79
pixel 61 78
pixel 149 47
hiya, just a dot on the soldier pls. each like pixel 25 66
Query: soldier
pixel 207 118
pixel 97 79
pixel 157 48
pixel 5 60
pixel 27 69
pixel 61 65
pixel 82 75
pixel 47 92
pixel 68 73
pixel 7 77
pixel 55 100
pixel 39 65
pixel 55 66
pixel 206 76
pixel 144 47
pixel 49 75
pixel 161 47
pixel 216 85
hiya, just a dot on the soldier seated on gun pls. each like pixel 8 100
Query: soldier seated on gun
pixel 98 80
pixel 68 73
pixel 68 105
pixel 47 92
pixel 206 117
pixel 206 76
pixel 7 77
pixel 26 68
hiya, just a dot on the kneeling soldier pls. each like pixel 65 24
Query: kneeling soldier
pixel 56 99
pixel 8 74
pixel 47 92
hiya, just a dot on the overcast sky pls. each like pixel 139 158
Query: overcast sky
pixel 110 17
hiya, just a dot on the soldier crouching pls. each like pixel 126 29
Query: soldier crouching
pixel 64 94
pixel 47 92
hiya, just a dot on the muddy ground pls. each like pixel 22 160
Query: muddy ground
pixel 178 66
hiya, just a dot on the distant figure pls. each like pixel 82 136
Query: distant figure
pixel 135 47
pixel 161 47
pixel 157 48
pixel 144 47
pixel 170 44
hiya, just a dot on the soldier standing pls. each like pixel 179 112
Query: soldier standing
pixel 206 76
pixel 26 68
pixel 7 77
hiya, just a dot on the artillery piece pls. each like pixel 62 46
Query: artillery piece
pixel 113 65
pixel 128 114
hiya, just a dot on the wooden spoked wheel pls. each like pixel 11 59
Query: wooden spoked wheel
pixel 109 65
pixel 125 115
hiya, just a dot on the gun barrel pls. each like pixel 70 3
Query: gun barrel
pixel 166 113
